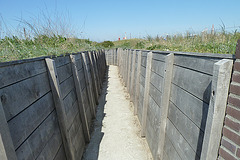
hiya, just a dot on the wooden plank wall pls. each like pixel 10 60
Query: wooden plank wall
pixel 30 113
pixel 175 125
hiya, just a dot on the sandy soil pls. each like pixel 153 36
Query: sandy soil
pixel 116 133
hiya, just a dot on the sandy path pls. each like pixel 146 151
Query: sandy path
pixel 116 130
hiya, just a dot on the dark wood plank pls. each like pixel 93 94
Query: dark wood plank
pixel 155 94
pixel 25 123
pixel 67 86
pixel 69 101
pixel 64 72
pixel 34 145
pixel 157 81
pixel 158 67
pixel 190 132
pixel 200 64
pixel 19 96
pixel 61 61
pixel 50 150
pixel 196 83
pixel 159 56
pixel 15 73
pixel 170 151
pixel 192 107
pixel 7 150
pixel 61 154
pixel 183 149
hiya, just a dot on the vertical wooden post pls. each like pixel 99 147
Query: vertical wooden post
pixel 165 103
pixel 93 75
pixel 112 56
pixel 61 113
pixel 81 104
pixel 217 107
pixel 88 85
pixel 7 150
pixel 137 88
pixel 96 72
pixel 131 91
pixel 146 93
pixel 129 69
pixel 96 57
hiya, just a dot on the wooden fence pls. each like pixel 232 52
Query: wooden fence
pixel 47 105
pixel 179 98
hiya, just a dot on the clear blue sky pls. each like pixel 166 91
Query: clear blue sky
pixel 101 20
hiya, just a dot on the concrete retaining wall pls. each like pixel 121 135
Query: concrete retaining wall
pixel 179 98
pixel 47 105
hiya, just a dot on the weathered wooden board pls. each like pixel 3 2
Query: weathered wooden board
pixel 71 115
pixel 157 81
pixel 144 53
pixel 34 145
pixel 141 80
pixel 16 73
pixel 170 151
pixel 194 108
pixel 158 67
pixel 200 64
pixel 181 146
pixel 27 121
pixel 7 150
pixel 159 56
pixel 69 101
pixel 60 154
pixel 152 125
pixel 139 110
pixel 151 138
pixel 64 72
pixel 196 83
pixel 191 133
pixel 155 94
pixel 61 61
pixel 153 115
pixel 19 96
pixel 67 86
pixel 144 61
pixel 79 64
pixel 77 137
pixel 50 150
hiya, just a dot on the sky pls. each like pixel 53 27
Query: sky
pixel 108 19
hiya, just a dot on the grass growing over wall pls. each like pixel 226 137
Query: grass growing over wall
pixel 221 42
pixel 14 48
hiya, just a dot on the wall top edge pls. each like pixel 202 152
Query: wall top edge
pixel 4 64
pixel 210 55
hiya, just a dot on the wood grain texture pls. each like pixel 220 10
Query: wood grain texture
pixel 146 93
pixel 191 133
pixel 7 151
pixel 59 105
pixel 137 88
pixel 166 89
pixel 18 72
pixel 81 105
pixel 217 107
pixel 158 67
pixel 25 123
pixel 200 64
pixel 183 149
pixel 196 83
pixel 194 108
pixel 17 97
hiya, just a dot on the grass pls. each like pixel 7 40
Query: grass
pixel 14 48
pixel 221 42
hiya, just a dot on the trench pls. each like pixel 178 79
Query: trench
pixel 116 132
